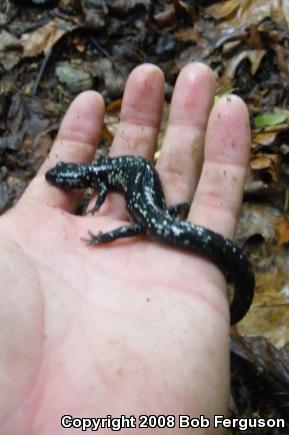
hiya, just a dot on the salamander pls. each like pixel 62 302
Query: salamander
pixel 137 178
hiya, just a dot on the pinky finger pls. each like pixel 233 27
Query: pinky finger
pixel 220 189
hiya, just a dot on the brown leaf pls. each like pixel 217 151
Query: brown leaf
pixel 255 57
pixel 224 9
pixel 107 134
pixel 10 50
pixel 282 229
pixel 264 138
pixel 114 106
pixel 262 161
pixel 285 8
pixel 269 313
pixel 166 17
pixel 257 220
pixel 266 161
pixel 238 13
pixel 45 37
pixel 187 35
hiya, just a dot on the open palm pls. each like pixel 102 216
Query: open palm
pixel 132 327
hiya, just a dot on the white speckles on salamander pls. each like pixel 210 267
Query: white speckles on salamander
pixel 141 185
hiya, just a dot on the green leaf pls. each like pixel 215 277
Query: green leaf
pixel 269 119
pixel 224 94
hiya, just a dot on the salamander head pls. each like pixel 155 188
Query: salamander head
pixel 71 175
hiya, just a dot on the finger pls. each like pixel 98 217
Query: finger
pixel 140 113
pixel 78 136
pixel 219 193
pixel 139 123
pixel 181 156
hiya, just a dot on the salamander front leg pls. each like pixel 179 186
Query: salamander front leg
pixel 110 236
pixel 179 210
pixel 102 192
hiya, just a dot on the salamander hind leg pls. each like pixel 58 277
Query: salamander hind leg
pixel 110 236
pixel 180 210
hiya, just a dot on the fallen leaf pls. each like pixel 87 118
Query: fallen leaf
pixel 257 220
pixel 260 380
pixel 282 229
pixel 10 50
pixel 44 38
pixel 285 7
pixel 255 57
pixel 269 119
pixel 107 134
pixel 238 13
pixel 268 162
pixel 114 106
pixel 224 9
pixel 127 5
pixel 263 138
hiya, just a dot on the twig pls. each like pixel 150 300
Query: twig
pixel 105 53
pixel 286 203
pixel 41 71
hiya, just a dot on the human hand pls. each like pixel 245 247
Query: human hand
pixel 133 327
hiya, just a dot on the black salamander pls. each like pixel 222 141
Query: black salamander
pixel 146 206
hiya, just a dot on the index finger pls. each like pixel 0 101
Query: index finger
pixel 76 141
